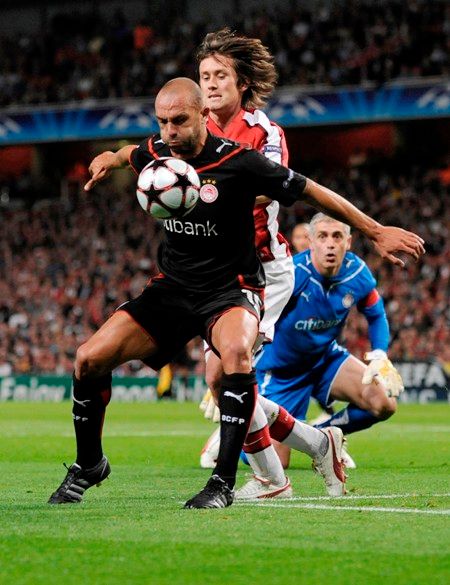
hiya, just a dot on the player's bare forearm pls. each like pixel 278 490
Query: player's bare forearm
pixel 338 207
pixel 386 239
pixel 104 163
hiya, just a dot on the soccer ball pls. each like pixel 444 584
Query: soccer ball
pixel 168 187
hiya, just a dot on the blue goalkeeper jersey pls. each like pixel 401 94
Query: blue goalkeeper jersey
pixel 316 313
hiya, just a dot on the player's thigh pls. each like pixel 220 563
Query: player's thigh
pixel 348 386
pixel 233 335
pixel 118 340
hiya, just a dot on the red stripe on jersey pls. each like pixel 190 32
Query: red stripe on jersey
pixel 257 441
pixel 151 150
pixel 130 163
pixel 159 276
pixel 283 426
pixel 370 300
pixel 219 162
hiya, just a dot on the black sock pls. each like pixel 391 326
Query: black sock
pixel 236 403
pixel 90 399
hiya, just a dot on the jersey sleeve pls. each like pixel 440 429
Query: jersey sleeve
pixel 372 307
pixel 275 147
pixel 141 156
pixel 275 181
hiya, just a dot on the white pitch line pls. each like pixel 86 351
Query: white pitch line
pixel 351 508
pixel 366 497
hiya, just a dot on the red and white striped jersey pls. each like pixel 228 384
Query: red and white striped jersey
pixel 253 128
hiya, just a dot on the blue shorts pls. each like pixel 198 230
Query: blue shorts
pixel 293 392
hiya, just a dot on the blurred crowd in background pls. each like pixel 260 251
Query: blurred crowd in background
pixel 81 56
pixel 66 264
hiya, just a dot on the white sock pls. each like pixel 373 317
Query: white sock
pixel 264 463
pixel 303 437
pixel 271 408
pixel 307 439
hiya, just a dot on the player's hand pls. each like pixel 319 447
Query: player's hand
pixel 394 239
pixel 381 368
pixel 208 406
pixel 100 168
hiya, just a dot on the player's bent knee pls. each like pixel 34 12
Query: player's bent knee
pixel 389 408
pixel 381 405
pixel 236 357
pixel 89 364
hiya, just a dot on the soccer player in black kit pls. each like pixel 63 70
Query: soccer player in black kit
pixel 210 284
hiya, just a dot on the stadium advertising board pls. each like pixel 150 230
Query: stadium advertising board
pixel 424 382
pixel 288 107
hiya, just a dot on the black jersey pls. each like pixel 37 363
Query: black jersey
pixel 212 248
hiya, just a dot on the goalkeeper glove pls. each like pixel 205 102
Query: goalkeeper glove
pixel 208 406
pixel 382 368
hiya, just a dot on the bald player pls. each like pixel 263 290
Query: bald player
pixel 210 284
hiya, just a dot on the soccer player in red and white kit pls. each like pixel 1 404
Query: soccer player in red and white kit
pixel 237 75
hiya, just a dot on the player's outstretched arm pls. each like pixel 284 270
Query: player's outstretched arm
pixel 387 240
pixel 104 163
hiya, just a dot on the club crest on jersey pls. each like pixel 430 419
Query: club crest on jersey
pixel 348 300
pixel 208 191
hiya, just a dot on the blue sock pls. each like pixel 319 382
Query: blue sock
pixel 350 419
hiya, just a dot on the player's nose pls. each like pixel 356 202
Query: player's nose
pixel 171 130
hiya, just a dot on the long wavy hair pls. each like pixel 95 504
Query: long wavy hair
pixel 253 63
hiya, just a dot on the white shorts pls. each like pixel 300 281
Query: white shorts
pixel 280 281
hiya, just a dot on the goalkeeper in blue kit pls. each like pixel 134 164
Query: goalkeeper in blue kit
pixel 305 359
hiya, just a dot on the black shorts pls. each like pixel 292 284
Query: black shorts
pixel 172 317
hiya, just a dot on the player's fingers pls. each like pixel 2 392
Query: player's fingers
pixel 415 247
pixel 89 185
pixel 414 241
pixel 394 260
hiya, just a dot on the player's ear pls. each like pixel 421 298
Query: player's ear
pixel 243 85
pixel 205 113
pixel 349 243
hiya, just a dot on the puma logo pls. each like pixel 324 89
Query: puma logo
pixel 224 143
pixel 81 402
pixel 306 295
pixel 238 397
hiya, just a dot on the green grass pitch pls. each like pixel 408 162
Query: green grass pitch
pixel 393 527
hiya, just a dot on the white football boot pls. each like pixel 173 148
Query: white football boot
pixel 347 459
pixel 330 466
pixel 210 451
pixel 258 488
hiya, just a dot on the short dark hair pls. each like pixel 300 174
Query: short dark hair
pixel 253 63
